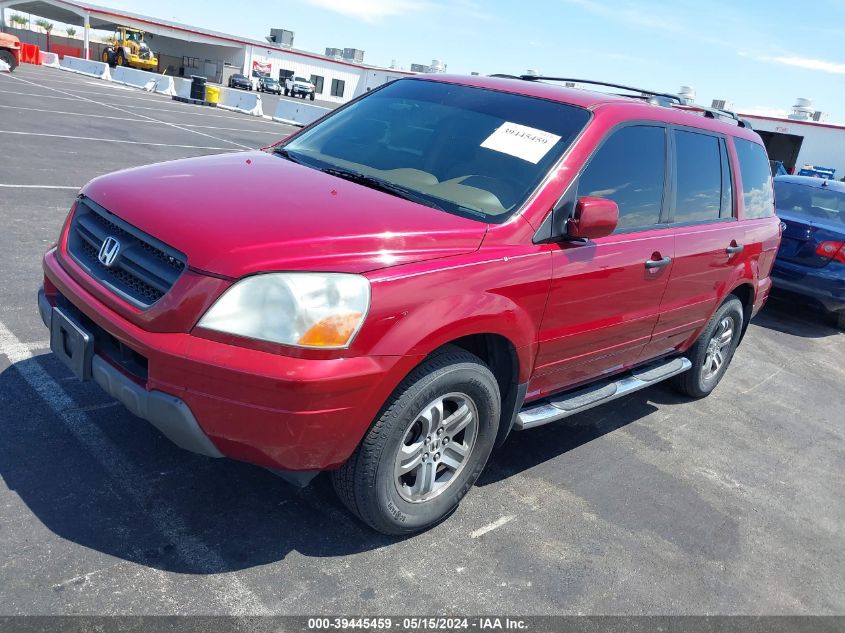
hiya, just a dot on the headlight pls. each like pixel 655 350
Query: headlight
pixel 322 310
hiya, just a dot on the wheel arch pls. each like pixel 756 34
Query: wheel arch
pixel 744 291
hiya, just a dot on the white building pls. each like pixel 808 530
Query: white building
pixel 185 50
pixel 802 138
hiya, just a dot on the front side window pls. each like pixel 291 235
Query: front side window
pixel 698 177
pixel 629 168
pixel 757 193
pixel 471 151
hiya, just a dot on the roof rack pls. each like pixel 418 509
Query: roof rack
pixel 665 99
pixel 652 93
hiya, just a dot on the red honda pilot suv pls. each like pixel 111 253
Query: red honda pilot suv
pixel 447 259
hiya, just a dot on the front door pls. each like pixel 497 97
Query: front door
pixel 605 294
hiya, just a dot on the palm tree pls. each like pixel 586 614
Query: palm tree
pixel 70 31
pixel 18 20
pixel 47 26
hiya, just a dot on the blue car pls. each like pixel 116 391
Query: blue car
pixel 811 259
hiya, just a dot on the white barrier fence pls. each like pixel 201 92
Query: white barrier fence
pixel 240 101
pixel 296 113
pixel 151 82
pixel 50 59
pixel 86 67
pixel 183 87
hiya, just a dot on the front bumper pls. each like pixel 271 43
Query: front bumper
pixel 825 286
pixel 168 414
pixel 280 412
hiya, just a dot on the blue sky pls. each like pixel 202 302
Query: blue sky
pixel 759 54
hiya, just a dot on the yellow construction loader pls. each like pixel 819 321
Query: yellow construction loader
pixel 128 48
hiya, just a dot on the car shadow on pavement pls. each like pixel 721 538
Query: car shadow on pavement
pixel 99 477
pixel 526 449
pixel 786 315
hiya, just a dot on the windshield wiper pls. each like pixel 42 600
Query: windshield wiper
pixel 382 185
pixel 281 151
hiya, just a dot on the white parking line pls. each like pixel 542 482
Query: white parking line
pixel 122 118
pixel 489 528
pixel 230 592
pixel 113 140
pixel 119 109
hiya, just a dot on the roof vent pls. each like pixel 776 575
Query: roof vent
pixel 687 95
pixel 802 110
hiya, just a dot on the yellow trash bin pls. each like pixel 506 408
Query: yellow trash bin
pixel 212 94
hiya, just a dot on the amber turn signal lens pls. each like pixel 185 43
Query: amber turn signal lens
pixel 333 331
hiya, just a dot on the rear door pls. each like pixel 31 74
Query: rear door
pixel 815 222
pixel 605 294
pixel 709 240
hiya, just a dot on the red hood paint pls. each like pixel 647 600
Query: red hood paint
pixel 248 212
pixel 9 41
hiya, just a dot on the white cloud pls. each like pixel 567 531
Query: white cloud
pixel 809 63
pixel 371 10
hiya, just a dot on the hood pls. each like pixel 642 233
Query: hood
pixel 9 41
pixel 247 212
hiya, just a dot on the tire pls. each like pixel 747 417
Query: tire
pixel 312 96
pixel 106 57
pixel 711 354
pixel 120 58
pixel 370 484
pixel 10 59
pixel 837 319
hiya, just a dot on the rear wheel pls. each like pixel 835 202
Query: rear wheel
pixel 712 352
pixel 121 58
pixel 426 448
pixel 7 57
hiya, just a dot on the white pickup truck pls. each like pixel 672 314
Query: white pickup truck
pixel 299 87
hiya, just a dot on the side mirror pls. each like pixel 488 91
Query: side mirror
pixel 594 217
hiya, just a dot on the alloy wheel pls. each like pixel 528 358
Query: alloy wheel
pixel 435 447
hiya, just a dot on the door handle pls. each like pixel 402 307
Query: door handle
pixel 734 248
pixel 658 263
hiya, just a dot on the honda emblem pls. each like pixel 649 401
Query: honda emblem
pixel 109 251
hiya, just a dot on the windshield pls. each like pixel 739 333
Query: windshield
pixel 820 203
pixel 469 151
pixel 300 79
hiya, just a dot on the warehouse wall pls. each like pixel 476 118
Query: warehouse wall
pixel 822 144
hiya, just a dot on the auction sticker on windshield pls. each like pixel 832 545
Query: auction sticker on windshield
pixel 521 141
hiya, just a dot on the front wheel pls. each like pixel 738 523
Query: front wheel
pixel 427 447
pixel 121 58
pixel 10 60
pixel 712 352
pixel 312 96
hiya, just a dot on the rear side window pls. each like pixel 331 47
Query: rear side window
pixel 757 191
pixel 698 196
pixel 629 169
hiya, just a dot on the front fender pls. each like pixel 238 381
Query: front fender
pixel 416 314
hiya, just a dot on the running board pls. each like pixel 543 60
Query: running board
pixel 565 405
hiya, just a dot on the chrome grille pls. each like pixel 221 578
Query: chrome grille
pixel 145 269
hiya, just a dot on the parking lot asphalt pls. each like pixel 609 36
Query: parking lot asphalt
pixel 653 504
